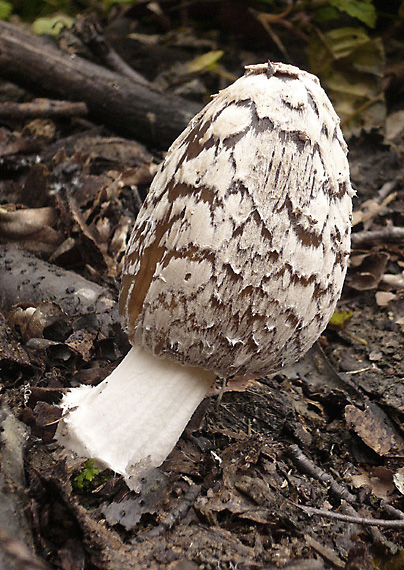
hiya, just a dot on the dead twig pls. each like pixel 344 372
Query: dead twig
pixel 376 534
pixel 387 234
pixel 42 108
pixel 365 521
pixel 92 36
pixel 307 466
pixel 392 511
pixel 324 551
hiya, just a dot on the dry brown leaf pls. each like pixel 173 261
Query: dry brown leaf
pixel 366 270
pixel 375 429
pixel 383 298
pixel 82 342
pixel 33 320
pixel 380 483
pixel 30 227
pixel 370 209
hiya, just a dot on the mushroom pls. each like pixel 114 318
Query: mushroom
pixel 234 267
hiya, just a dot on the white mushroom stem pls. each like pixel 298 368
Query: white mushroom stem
pixel 133 419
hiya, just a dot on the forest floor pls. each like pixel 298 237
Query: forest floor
pixel 262 473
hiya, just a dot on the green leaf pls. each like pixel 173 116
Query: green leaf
pixel 343 41
pixel 370 58
pixel 5 9
pixel 340 319
pixel 90 477
pixel 87 475
pixel 109 3
pixel 340 84
pixel 362 10
pixel 350 65
pixel 326 14
pixel 207 61
pixel 51 25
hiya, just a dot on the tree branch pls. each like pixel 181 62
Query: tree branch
pixel 125 106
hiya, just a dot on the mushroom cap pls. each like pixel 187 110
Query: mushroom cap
pixel 239 253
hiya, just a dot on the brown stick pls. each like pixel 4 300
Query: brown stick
pixel 307 466
pixel 352 519
pixel 127 107
pixel 389 234
pixel 42 108
pixel 93 37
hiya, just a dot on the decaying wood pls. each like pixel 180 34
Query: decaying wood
pixel 126 106
pixel 389 234
pixel 42 108
pixel 27 279
pixel 16 541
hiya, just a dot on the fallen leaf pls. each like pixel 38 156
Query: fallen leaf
pixel 151 501
pixel 82 343
pixel 33 320
pixel 366 270
pixel 350 65
pixel 394 129
pixel 379 482
pixel 203 62
pixel 375 429
pixel 369 209
pixel 383 298
pixel 340 319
